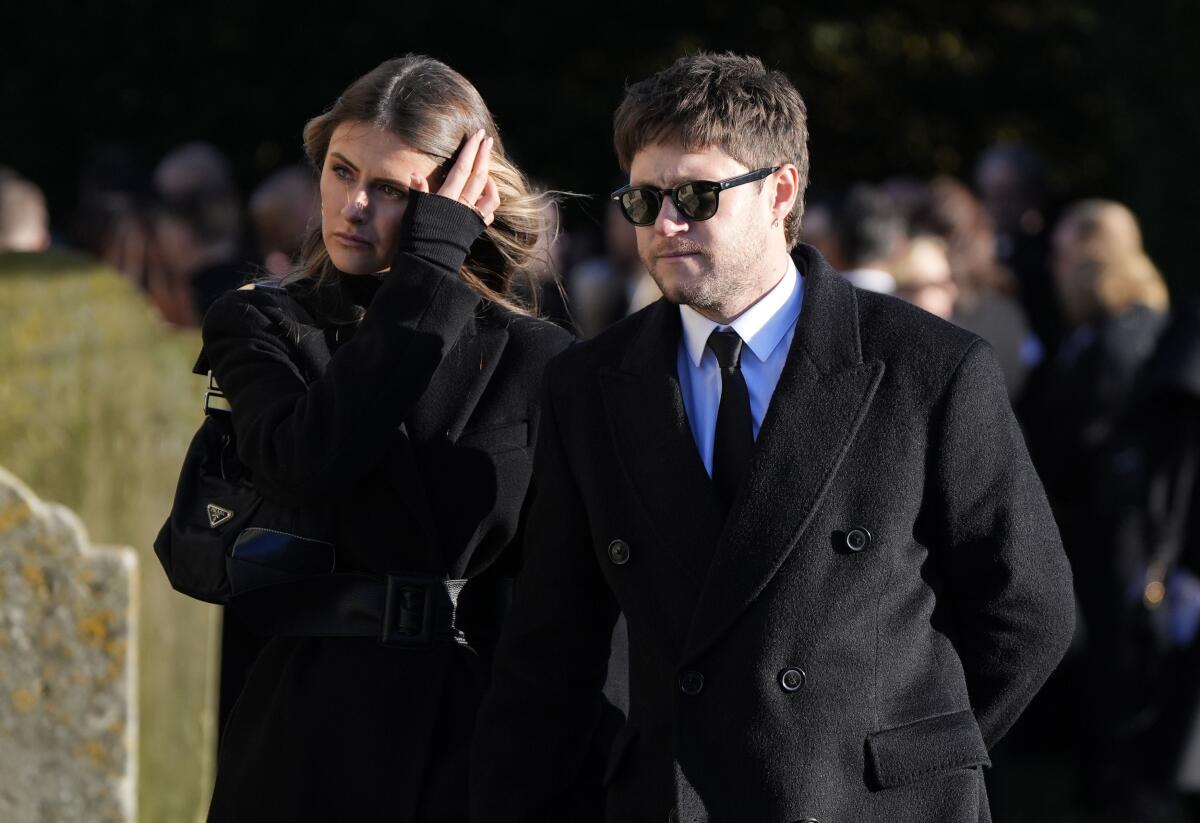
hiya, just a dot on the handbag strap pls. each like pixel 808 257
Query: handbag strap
pixel 1169 496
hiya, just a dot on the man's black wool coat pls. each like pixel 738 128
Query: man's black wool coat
pixel 415 436
pixel 885 597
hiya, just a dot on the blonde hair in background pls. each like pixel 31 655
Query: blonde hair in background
pixel 1101 230
pixel 1094 289
pixel 432 108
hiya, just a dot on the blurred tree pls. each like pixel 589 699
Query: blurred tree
pixel 1104 89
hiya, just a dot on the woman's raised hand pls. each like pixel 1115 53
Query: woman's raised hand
pixel 468 180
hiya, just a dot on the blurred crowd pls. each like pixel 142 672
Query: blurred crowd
pixel 1104 373
pixel 1102 365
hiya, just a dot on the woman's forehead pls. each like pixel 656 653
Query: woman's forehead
pixel 368 145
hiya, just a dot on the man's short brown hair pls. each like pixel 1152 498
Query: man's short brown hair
pixel 725 101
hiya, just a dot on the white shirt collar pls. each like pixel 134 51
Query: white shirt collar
pixel 762 325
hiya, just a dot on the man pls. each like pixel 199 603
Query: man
pixel 871 232
pixel 283 209
pixel 615 284
pixel 199 225
pixel 24 222
pixel 1012 182
pixel 841 578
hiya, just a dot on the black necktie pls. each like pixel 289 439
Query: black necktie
pixel 734 444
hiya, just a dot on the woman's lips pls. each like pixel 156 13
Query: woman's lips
pixel 352 240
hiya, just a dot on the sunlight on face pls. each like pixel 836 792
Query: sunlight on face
pixel 705 264
pixel 364 192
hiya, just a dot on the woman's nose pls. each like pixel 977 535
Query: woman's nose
pixel 356 206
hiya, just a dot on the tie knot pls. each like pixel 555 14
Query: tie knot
pixel 727 346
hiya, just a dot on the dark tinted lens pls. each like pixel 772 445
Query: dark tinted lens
pixel 641 205
pixel 697 200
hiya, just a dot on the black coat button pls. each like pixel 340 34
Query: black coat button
pixel 858 539
pixel 791 679
pixel 618 552
pixel 691 683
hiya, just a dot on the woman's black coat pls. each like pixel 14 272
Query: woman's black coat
pixel 415 435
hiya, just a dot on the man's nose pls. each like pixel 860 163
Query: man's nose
pixel 669 221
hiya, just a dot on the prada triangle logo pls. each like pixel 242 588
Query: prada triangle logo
pixel 217 515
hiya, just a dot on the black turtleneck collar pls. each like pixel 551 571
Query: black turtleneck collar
pixel 361 288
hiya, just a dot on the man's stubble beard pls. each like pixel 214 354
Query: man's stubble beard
pixel 724 281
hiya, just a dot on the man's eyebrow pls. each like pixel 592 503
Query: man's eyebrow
pixel 652 183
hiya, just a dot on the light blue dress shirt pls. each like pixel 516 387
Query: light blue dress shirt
pixel 767 328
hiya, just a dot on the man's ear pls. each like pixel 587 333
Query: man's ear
pixel 786 182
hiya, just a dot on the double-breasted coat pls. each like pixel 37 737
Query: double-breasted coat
pixel 885 596
pixel 411 424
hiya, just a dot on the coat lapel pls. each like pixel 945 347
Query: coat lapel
pixel 653 441
pixel 816 410
pixel 442 412
pixel 457 385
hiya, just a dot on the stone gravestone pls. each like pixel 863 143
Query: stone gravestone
pixel 97 405
pixel 68 708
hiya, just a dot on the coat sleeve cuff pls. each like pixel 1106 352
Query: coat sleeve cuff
pixel 438 230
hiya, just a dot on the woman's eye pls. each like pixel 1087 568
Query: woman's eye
pixel 342 173
pixel 392 191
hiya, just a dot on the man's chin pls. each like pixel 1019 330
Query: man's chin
pixel 696 298
pixel 678 289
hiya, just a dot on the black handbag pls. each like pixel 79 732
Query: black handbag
pixel 222 537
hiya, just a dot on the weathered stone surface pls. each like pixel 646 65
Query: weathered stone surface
pixel 68 707
pixel 97 405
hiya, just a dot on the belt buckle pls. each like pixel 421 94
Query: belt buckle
pixel 408 612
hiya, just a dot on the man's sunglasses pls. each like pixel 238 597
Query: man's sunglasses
pixel 695 200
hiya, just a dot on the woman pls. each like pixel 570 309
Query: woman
pixel 402 403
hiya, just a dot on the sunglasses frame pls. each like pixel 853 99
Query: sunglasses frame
pixel 718 186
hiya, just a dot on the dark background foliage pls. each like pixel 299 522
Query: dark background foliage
pixel 1106 90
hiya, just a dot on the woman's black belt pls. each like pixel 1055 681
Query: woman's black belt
pixel 400 610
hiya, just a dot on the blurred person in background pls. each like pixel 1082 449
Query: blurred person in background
pixel 282 209
pixel 1011 179
pixel 1114 303
pixel 198 226
pixel 923 276
pixel 111 219
pixel 1143 603
pixel 614 285
pixel 871 233
pixel 24 220
pixel 114 220
pixel 909 195
pixel 819 229
pixel 985 302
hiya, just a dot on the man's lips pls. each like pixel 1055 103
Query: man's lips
pixel 355 240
